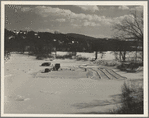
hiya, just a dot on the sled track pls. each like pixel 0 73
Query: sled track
pixel 116 75
pixel 103 75
pixel 107 74
pixel 110 76
pixel 96 72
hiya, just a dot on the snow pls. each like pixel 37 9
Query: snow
pixel 66 91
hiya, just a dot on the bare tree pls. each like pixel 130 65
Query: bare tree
pixel 131 27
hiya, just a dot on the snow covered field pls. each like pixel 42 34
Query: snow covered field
pixel 107 55
pixel 67 91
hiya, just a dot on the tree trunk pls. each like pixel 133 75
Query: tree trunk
pixel 142 57
pixel 136 56
pixel 96 55
pixel 142 52
pixel 74 53
pixel 124 55
pixel 55 54
pixel 136 52
pixel 120 55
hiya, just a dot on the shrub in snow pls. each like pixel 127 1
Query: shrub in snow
pixel 46 64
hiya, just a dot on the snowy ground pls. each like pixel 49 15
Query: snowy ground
pixel 70 90
pixel 107 55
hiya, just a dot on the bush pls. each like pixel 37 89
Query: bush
pixel 7 55
pixel 107 62
pixel 131 99
pixel 70 56
pixel 129 65
pixel 78 58
pixel 43 56
pixel 67 56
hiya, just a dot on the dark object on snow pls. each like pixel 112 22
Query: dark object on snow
pixel 46 64
pixel 54 69
pixel 47 70
pixel 57 66
pixel 129 67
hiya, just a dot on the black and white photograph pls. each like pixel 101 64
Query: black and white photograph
pixel 74 58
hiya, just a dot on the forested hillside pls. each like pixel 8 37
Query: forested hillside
pixel 47 42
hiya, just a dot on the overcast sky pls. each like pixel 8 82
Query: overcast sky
pixel 89 20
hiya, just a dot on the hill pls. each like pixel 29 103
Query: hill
pixel 80 36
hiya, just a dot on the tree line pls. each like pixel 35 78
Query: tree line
pixel 42 41
pixel 46 42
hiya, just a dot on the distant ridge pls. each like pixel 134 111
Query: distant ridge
pixel 79 36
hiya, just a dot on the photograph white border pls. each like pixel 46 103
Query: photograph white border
pixel 106 3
